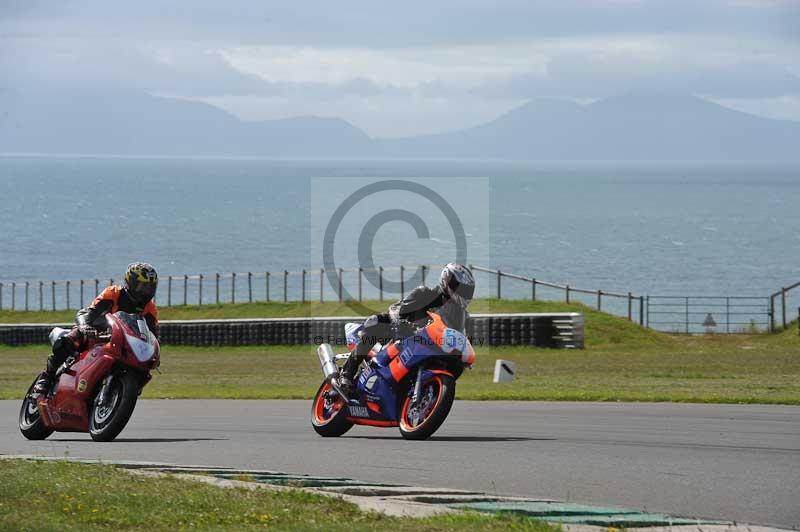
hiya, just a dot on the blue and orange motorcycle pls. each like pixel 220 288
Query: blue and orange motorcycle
pixel 409 383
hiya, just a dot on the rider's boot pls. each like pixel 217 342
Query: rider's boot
pixel 62 349
pixel 347 385
pixel 44 383
pixel 346 379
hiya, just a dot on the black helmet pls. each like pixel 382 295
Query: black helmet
pixel 458 283
pixel 141 281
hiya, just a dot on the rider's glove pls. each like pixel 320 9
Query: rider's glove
pixel 88 332
pixel 403 328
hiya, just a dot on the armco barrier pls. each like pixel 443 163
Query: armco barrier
pixel 556 330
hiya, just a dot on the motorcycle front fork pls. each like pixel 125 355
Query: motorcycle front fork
pixel 417 387
pixel 101 397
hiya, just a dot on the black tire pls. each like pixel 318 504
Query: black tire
pixel 106 421
pixel 31 424
pixel 446 393
pixel 325 424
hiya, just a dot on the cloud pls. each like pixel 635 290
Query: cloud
pixel 572 68
pixel 186 71
pixel 594 75
pixel 422 66
pixel 366 23
pixel 396 67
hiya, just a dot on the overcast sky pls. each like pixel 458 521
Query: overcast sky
pixel 410 67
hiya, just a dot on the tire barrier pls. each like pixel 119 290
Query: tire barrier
pixel 554 330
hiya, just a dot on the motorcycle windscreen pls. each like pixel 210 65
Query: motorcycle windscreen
pixel 141 341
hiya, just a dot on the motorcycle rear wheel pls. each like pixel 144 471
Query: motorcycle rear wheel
pixel 432 409
pixel 329 419
pixel 107 420
pixel 31 424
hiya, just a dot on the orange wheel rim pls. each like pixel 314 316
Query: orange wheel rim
pixel 324 413
pixel 405 422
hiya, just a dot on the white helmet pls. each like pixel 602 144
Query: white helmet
pixel 458 283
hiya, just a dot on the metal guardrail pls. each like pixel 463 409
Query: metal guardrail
pixel 299 285
pixel 202 289
pixel 631 300
pixel 313 285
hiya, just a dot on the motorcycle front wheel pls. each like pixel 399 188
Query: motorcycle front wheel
pixel 418 422
pixel 328 413
pixel 106 420
pixel 31 424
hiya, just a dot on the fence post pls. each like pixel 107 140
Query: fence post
pixel 285 283
pixel 1 296
pixel 41 294
pixel 233 287
pixel 200 291
pixel 321 285
pixel 110 282
pixel 499 276
pixel 340 285
pixel 402 282
pixel 566 291
pixel 380 281
pixel 771 313
pixel 783 306
pixel 217 287
pixel 360 274
pixel 641 311
pixel 599 299
pixel 303 286
pixel 266 282
pixel 249 287
pixel 81 293
pixel 424 269
pixel 96 287
pixel 630 306
pixel 727 314
pixel 13 296
pixel 27 287
pixel 533 288
pixel 687 315
pixel 53 293
pixel 185 290
pixel 67 285
pixel 169 291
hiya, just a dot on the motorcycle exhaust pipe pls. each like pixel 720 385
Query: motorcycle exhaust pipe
pixel 326 359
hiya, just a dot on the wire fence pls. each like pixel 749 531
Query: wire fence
pixel 709 314
pixel 781 305
pixel 686 314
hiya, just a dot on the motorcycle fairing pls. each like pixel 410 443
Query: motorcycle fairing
pixel 66 409
pixel 378 386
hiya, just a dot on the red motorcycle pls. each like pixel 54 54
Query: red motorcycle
pixel 95 391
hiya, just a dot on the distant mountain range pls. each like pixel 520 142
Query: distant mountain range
pixel 628 127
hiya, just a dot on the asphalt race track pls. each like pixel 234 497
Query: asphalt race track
pixel 735 462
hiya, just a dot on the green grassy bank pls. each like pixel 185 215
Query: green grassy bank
pixel 64 496
pixel 621 362
pixel 290 309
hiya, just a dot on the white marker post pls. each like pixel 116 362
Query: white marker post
pixel 504 371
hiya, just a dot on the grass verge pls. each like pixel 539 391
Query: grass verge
pixel 291 309
pixel 719 369
pixel 62 496
pixel 622 362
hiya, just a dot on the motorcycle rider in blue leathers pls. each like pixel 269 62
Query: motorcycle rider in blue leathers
pixel 456 287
